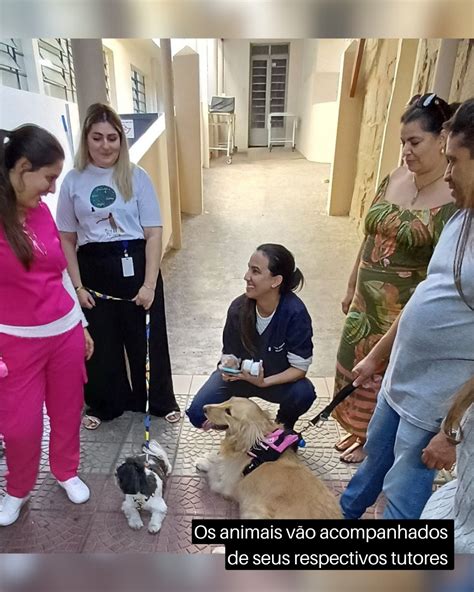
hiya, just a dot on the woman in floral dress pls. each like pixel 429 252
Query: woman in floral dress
pixel 402 228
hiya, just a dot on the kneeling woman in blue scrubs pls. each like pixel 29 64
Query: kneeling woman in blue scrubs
pixel 268 323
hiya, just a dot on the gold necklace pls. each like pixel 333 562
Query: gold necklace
pixel 424 187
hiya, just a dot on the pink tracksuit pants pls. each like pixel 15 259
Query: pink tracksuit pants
pixel 41 370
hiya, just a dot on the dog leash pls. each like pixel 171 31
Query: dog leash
pixel 147 419
pixel 323 415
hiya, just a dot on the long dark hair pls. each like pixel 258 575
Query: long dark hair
pixel 280 262
pixel 462 126
pixel 430 111
pixel 41 149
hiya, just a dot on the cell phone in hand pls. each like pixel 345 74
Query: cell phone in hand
pixel 230 371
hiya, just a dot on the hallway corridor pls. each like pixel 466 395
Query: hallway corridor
pixel 259 198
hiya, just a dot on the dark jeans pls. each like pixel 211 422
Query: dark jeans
pixel 295 398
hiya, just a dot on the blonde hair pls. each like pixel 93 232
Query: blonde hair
pixel 123 168
pixel 463 399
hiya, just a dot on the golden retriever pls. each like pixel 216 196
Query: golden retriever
pixel 284 488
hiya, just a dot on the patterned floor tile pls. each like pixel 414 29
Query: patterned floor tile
pixel 324 462
pixel 175 536
pixel 194 443
pixel 110 533
pixel 192 496
pixel 98 457
pixel 109 431
pixel 48 531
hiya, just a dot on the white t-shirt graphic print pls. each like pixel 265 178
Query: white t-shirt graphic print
pixel 91 205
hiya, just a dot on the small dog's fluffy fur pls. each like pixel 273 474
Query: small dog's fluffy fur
pixel 144 486
pixel 284 488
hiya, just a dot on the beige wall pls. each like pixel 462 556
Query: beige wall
pixel 423 80
pixel 375 83
pixel 144 55
pixel 188 129
pixel 321 65
pixel 344 163
pixel 462 86
pixel 155 162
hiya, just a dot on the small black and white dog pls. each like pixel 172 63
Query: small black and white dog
pixel 144 486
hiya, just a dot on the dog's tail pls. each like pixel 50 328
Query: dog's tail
pixel 156 450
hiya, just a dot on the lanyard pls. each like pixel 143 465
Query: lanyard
pixel 125 248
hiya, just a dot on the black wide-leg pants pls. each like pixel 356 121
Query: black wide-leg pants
pixel 118 327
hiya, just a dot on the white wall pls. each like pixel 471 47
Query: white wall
pixel 237 80
pixel 144 54
pixel 20 107
pixel 321 65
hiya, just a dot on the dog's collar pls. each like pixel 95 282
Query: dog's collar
pixel 271 447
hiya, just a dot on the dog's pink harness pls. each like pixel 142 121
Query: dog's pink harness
pixel 271 448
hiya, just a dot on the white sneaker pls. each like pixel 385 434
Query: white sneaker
pixel 10 509
pixel 77 491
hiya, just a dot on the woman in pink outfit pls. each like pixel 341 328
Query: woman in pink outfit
pixel 42 340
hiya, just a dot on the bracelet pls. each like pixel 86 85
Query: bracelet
pixel 79 288
pixel 148 287
pixel 450 436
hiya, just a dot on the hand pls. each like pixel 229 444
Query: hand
pixel 258 381
pixel 89 344
pixel 347 300
pixel 144 297
pixel 366 369
pixel 86 300
pixel 244 375
pixel 440 453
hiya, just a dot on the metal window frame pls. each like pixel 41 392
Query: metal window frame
pixel 66 70
pixel 12 50
pixel 138 90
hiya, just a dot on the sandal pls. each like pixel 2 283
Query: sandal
pixel 345 443
pixel 90 422
pixel 173 416
pixel 354 454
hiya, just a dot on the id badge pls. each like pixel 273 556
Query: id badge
pixel 127 267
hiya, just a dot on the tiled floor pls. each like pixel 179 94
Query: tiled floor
pixel 50 523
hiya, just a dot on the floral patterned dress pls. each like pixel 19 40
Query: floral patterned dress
pixel 398 246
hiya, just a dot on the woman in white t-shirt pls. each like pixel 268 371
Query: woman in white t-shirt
pixel 111 232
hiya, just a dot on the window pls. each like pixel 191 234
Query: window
pixel 138 91
pixel 57 68
pixel 12 64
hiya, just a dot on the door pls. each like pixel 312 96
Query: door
pixel 268 90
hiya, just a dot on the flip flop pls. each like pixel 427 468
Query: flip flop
pixel 173 416
pixel 90 422
pixel 346 443
pixel 358 444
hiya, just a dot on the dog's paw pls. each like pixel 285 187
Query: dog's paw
pixel 135 523
pixel 202 464
pixel 154 528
